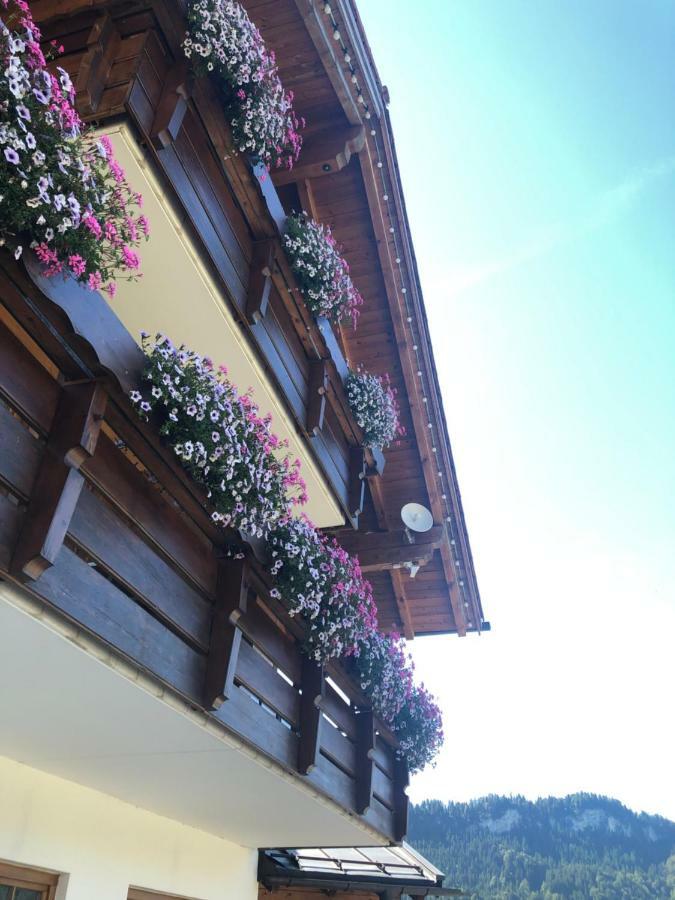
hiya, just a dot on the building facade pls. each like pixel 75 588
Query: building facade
pixel 159 720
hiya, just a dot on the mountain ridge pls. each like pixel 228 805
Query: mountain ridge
pixel 580 847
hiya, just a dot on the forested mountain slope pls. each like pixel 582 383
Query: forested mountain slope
pixel 581 847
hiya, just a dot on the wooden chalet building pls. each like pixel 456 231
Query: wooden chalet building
pixel 158 722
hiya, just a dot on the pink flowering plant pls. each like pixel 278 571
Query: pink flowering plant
pixel 222 40
pixel 321 271
pixel 62 192
pixel 221 439
pixel 419 729
pixel 385 673
pixel 373 402
pixel 319 581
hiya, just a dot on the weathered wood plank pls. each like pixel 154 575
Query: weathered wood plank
pixel 262 679
pixel 340 749
pixel 231 602
pixel 20 453
pixel 25 383
pixel 131 492
pixel 266 634
pixel 108 538
pixel 11 517
pixel 59 482
pixel 247 718
pixel 93 601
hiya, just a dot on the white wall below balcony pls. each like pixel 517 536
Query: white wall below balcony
pixel 103 846
pixel 72 708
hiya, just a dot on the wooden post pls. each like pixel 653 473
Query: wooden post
pixel 72 440
pixel 260 280
pixel 231 604
pixel 401 779
pixel 316 405
pixel 365 752
pixel 312 686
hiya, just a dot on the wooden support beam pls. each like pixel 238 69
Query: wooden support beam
pixel 401 781
pixel 231 604
pixel 316 404
pixel 306 195
pixel 260 280
pixel 58 484
pixel 398 587
pixel 172 105
pixel 102 46
pixel 365 753
pixel 312 685
pixel 390 548
pixel 322 153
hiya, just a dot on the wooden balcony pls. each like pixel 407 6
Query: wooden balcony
pixel 128 67
pixel 98 520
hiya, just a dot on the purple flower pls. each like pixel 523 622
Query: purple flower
pixel 23 112
pixel 11 156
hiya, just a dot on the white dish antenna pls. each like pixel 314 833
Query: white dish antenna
pixel 416 518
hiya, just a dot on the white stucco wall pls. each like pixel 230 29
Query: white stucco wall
pixel 103 846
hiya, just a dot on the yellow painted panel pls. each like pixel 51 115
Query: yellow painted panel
pixel 177 296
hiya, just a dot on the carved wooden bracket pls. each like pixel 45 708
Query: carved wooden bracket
pixel 357 481
pixel 260 280
pixel 102 46
pixel 316 406
pixel 73 438
pixel 312 684
pixel 365 753
pixel 322 153
pixel 172 105
pixel 231 605
pixel 376 462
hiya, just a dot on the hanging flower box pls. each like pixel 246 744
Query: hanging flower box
pixel 62 192
pixel 222 41
pixel 321 271
pixel 221 439
pixel 319 581
pixel 373 402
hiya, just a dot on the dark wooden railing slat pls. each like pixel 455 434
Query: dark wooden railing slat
pixel 312 685
pixel 58 484
pixel 231 602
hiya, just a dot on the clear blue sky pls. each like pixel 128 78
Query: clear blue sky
pixel 537 150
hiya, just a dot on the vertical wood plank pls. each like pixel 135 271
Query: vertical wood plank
pixel 57 488
pixel 401 779
pixel 231 604
pixel 365 752
pixel 312 683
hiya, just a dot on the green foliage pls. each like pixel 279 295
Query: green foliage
pixel 581 847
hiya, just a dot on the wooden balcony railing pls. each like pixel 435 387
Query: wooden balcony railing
pixel 99 520
pixel 232 209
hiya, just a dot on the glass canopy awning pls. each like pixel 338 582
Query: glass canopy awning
pixel 389 871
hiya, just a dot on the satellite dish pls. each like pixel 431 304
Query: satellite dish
pixel 416 517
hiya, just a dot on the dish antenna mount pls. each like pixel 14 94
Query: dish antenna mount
pixel 417 519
